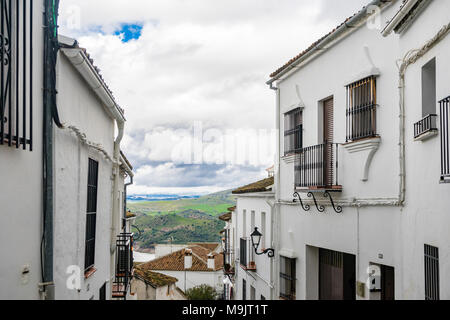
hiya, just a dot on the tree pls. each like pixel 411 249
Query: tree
pixel 203 292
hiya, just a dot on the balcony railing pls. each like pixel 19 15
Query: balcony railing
pixel 445 142
pixel 426 125
pixel 317 167
pixel 124 265
pixel 246 257
pixel 16 73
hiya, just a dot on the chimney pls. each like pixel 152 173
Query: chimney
pixel 187 259
pixel 211 261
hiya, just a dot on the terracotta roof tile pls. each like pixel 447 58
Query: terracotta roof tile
pixel 225 217
pixel 155 279
pixel 260 186
pixel 175 261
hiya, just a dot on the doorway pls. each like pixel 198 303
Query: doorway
pixel 337 275
pixel 328 139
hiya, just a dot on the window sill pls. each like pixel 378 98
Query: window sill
pixel 289 158
pixel 90 272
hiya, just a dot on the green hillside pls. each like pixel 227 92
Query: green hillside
pixel 187 220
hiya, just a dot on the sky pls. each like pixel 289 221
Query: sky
pixel 191 77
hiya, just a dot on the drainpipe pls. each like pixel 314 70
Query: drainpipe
pixel 115 196
pixel 275 226
pixel 47 287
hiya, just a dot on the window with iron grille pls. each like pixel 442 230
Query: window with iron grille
pixel 431 273
pixel 361 109
pixel 287 278
pixel 445 140
pixel 244 289
pixel 91 215
pixel 243 252
pixel 293 131
pixel 16 74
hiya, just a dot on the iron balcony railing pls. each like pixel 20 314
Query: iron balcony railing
pixel 445 144
pixel 16 73
pixel 124 264
pixel 427 124
pixel 317 167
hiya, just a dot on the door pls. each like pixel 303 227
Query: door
pixel 328 137
pixel 337 276
pixel 387 283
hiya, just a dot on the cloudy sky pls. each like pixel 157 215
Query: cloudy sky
pixel 191 76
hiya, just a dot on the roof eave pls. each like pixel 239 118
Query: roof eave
pixel 341 32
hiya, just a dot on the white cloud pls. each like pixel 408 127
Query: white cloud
pixel 196 60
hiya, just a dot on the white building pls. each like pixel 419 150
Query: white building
pixel 368 173
pixel 85 150
pixel 254 276
pixel 229 253
pixel 21 157
pixel 149 285
pixel 193 266
pixel 64 190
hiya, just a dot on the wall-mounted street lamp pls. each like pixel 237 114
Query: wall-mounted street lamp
pixel 256 240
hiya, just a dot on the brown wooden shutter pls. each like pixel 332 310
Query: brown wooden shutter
pixel 328 137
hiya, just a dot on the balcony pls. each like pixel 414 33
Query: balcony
pixel 426 128
pixel 124 265
pixel 246 257
pixel 317 168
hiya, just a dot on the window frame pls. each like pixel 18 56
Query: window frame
pixel 91 214
pixel 293 130
pixel 361 110
pixel 289 278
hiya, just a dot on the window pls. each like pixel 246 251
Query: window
pixel 102 293
pixel 361 109
pixel 16 75
pixel 244 223
pixel 243 252
pixel 287 278
pixel 293 131
pixel 431 273
pixel 244 289
pixel 252 221
pixel 91 215
pixel 429 88
pixel 252 293
pixel 263 230
pixel 445 140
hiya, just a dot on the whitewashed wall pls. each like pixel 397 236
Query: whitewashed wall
pixel 191 279
pixel 396 234
pixel 261 279
pixel 21 194
pixel 80 107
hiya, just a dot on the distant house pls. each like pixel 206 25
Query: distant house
pixel 253 274
pixel 192 266
pixel 149 285
pixel 229 266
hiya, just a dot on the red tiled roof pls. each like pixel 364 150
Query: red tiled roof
pixel 208 245
pixel 155 279
pixel 260 186
pixel 175 261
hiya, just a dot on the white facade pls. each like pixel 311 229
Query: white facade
pixel 254 210
pixel 376 226
pixel 21 193
pixel 190 279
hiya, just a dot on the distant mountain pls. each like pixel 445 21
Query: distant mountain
pixel 159 197
pixel 185 219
